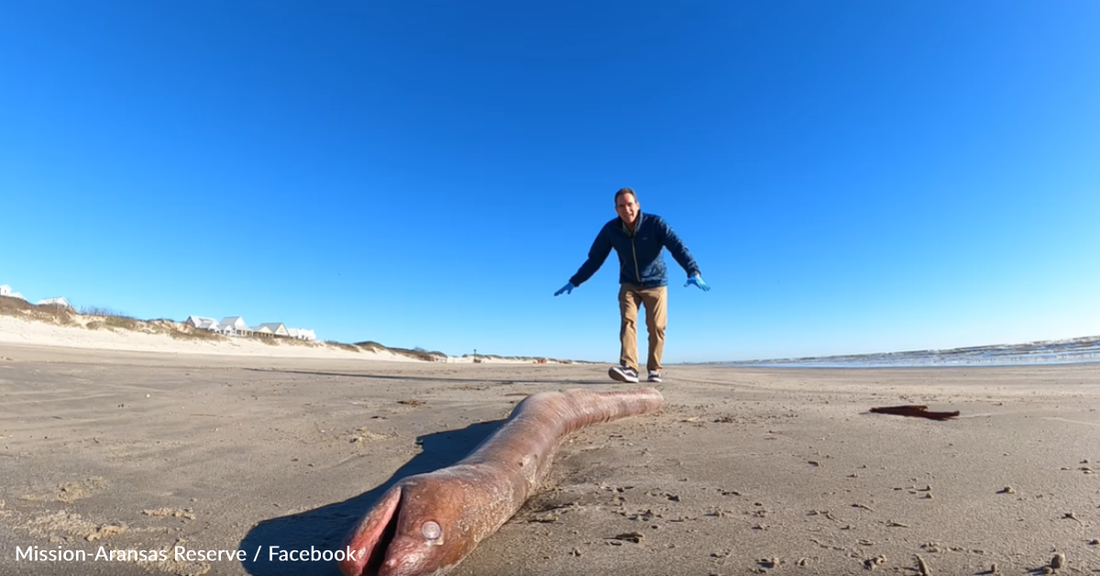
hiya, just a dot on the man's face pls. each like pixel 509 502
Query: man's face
pixel 627 207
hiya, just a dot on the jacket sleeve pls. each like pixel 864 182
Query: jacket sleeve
pixel 677 248
pixel 601 247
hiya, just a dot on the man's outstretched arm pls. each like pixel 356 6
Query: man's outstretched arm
pixel 679 250
pixel 597 254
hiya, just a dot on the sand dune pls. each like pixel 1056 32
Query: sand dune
pixel 167 337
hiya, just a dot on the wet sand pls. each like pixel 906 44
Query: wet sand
pixel 777 471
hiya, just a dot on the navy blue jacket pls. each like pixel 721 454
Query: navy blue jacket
pixel 640 260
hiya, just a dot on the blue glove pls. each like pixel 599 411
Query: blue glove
pixel 568 289
pixel 698 281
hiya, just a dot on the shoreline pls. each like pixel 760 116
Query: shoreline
pixel 898 366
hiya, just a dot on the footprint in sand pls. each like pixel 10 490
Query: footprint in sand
pixel 364 436
pixel 61 526
pixel 187 514
pixel 70 492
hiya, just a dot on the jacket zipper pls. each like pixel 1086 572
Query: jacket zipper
pixel 634 249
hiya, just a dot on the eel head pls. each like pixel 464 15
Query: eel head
pixel 419 527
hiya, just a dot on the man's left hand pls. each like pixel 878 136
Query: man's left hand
pixel 698 281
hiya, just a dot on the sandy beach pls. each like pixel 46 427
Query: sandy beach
pixel 776 471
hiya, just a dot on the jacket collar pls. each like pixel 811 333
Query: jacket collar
pixel 637 225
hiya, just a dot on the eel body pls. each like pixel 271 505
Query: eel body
pixel 427 523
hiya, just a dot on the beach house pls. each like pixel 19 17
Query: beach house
pixel 272 329
pixel 203 322
pixel 6 290
pixel 61 302
pixel 234 326
pixel 302 334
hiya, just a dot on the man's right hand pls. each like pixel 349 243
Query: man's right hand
pixel 567 289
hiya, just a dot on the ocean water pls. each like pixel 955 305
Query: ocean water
pixel 1076 350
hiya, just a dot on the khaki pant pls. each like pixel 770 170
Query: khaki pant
pixel 631 298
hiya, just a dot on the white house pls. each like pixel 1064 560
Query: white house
pixel 302 334
pixel 234 326
pixel 203 323
pixel 6 290
pixel 56 302
pixel 273 328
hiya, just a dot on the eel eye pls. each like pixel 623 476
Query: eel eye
pixel 431 530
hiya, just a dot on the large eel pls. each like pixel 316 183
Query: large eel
pixel 426 524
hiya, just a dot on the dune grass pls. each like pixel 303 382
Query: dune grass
pixel 342 346
pixel 49 313
pixel 417 353
pixel 185 332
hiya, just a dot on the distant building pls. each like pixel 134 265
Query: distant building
pixel 6 290
pixel 273 328
pixel 302 334
pixel 234 326
pixel 56 302
pixel 203 323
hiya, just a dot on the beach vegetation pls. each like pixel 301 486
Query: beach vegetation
pixel 419 353
pixel 111 318
pixel 371 346
pixel 342 346
pixel 47 313
pixel 182 331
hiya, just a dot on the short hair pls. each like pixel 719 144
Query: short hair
pixel 623 191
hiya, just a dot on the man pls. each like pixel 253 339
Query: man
pixel 638 239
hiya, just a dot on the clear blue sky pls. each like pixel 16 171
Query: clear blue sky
pixel 855 176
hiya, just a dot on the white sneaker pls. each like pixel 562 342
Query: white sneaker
pixel 623 374
pixel 654 376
